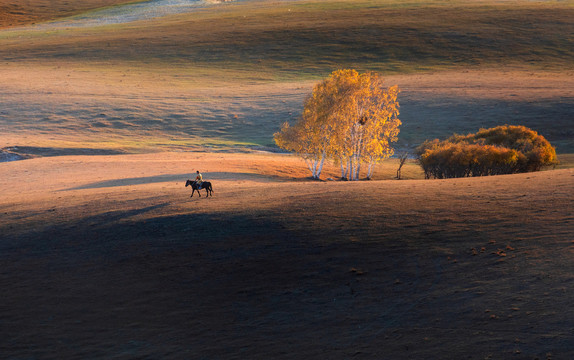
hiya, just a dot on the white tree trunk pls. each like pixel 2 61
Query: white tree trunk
pixel 309 165
pixel 312 165
pixel 355 166
pixel 351 169
pixel 370 171
pixel 323 155
pixel 359 152
pixel 348 169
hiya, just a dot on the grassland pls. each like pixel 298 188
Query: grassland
pixel 25 12
pixel 228 76
pixel 106 256
pixel 285 40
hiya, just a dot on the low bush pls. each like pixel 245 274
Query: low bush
pixel 500 150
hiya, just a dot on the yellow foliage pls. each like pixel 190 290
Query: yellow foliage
pixel 350 118
pixel 499 150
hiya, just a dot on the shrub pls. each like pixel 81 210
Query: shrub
pixel 500 150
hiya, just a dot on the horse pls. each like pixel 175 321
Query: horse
pixel 204 185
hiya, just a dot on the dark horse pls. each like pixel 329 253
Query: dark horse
pixel 204 185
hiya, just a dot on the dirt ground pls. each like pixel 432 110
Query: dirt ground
pixel 107 257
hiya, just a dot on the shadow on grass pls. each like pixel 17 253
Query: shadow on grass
pixel 46 240
pixel 55 151
pixel 206 279
pixel 177 178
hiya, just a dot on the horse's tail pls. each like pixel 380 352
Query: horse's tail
pixel 210 187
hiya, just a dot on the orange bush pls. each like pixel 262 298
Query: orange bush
pixel 500 150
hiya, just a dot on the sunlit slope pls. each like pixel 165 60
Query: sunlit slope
pixel 22 12
pixel 227 76
pixel 310 38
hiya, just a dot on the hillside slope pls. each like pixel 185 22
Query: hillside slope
pixel 285 39
pixel 228 76
pixel 24 12
pixel 108 256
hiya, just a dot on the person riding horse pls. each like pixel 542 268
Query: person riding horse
pixel 204 185
pixel 198 180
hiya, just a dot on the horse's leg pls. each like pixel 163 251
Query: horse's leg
pixel 192 191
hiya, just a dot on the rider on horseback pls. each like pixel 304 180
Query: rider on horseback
pixel 198 184
pixel 198 180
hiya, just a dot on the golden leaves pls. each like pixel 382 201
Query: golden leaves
pixel 349 117
pixel 499 150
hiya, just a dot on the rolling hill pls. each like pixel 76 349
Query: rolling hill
pixel 103 254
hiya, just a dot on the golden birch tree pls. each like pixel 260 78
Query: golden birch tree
pixel 350 118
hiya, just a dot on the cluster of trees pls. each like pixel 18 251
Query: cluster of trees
pixel 500 150
pixel 350 118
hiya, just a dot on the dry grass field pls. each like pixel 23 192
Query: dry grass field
pixel 103 254
pixel 229 75
pixel 108 257
pixel 24 12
